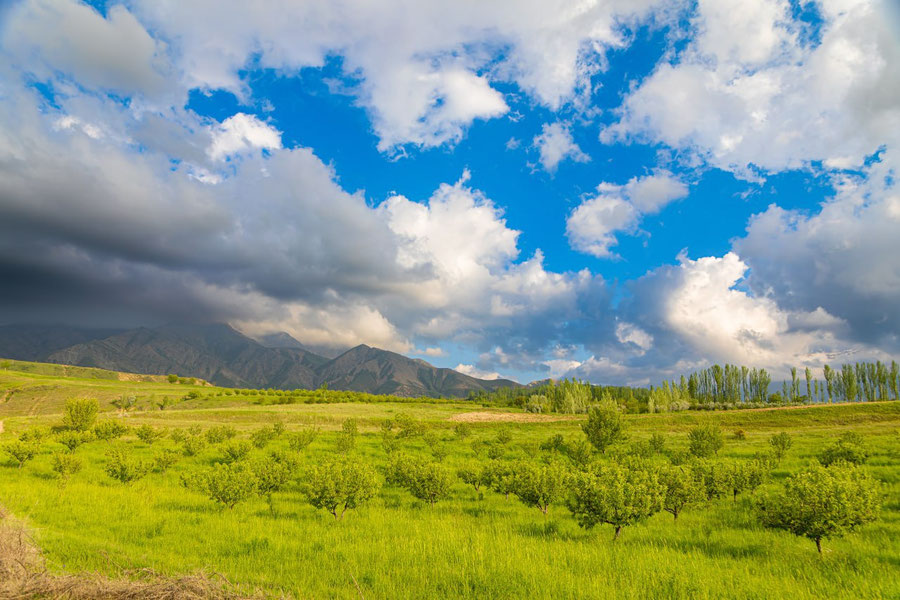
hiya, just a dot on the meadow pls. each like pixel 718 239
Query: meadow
pixel 471 544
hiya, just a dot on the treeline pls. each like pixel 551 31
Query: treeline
pixel 565 396
pixel 734 385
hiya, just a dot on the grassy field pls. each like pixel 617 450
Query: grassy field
pixel 472 545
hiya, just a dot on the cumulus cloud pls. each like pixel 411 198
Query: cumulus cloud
pixel 593 225
pixel 555 144
pixel 240 133
pixel 750 92
pixel 472 371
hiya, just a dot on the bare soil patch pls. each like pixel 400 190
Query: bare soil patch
pixel 507 417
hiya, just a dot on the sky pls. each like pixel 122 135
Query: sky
pixel 616 190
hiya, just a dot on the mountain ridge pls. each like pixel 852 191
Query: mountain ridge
pixel 224 356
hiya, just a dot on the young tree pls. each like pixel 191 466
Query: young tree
pixel 262 436
pixel 474 476
pixel 501 477
pixel 539 485
pixel 848 448
pixel 165 459
pixel 226 485
pixel 124 403
pixel 781 443
pixel 615 495
pixel 680 489
pixel 299 440
pixel 120 466
pixel 705 440
pixel 65 465
pixel 236 451
pixel 822 503
pixel 604 427
pixel 80 414
pixel 109 430
pixel 339 485
pixel 21 452
pixel 220 433
pixel 73 439
pixel 429 482
pixel 272 474
pixel 713 478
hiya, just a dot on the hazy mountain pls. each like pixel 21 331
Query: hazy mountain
pixel 224 356
pixel 36 342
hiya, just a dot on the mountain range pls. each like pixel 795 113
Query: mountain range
pixel 222 355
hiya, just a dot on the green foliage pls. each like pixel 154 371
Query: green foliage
pixel 298 441
pixel 73 439
pixel 124 468
pixel 739 434
pixel 21 451
pixel 615 495
pixel 462 430
pixel 339 485
pixel 821 503
pixel 781 443
pixel 713 478
pixel 604 427
pixel 503 437
pixel 848 448
pixel 224 484
pixel 407 426
pixel 33 434
pixel 165 459
pixel 164 403
pixel 80 414
pixel 172 378
pixel 680 489
pixel 220 433
pixel 745 476
pixel 65 465
pixel 501 477
pixel 148 434
pixel 539 485
pixel 658 443
pixel 429 482
pixel 124 403
pixel 474 475
pixel 346 440
pixel 192 444
pixel 236 451
pixel 272 474
pixel 705 441
pixel 109 430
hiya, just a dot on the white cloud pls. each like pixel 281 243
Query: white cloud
pixel 242 132
pixel 628 333
pixel 592 226
pixel 746 92
pixel 555 144
pixel 434 351
pixel 472 371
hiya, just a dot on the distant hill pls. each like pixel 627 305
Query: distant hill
pixel 223 356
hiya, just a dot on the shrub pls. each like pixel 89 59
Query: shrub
pixel 555 443
pixel 848 448
pixel 739 434
pixel 148 434
pixel 504 436
pixel 20 451
pixel 745 476
pixel 680 489
pixel 407 426
pixel 462 430
pixel 822 503
pixel 34 434
pixel 225 484
pixel 339 485
pixel 109 430
pixel 65 465
pixel 235 451
pixel 658 443
pixel 604 427
pixel 165 403
pixel 501 477
pixel 178 435
pixel 781 443
pixel 615 495
pixel 191 445
pixel 347 437
pixel 262 436
pixel 581 453
pixel 705 441
pixel 165 459
pixel 172 378
pixel 80 414
pixel 73 439
pixel 299 440
pixel 539 485
pixel 218 434
pixel 121 467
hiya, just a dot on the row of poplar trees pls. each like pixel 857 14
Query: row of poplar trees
pixel 859 382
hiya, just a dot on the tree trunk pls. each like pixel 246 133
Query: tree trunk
pixel 618 531
pixel 819 545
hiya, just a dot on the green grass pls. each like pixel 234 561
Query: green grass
pixel 473 545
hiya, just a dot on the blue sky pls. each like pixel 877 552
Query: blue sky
pixel 618 191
